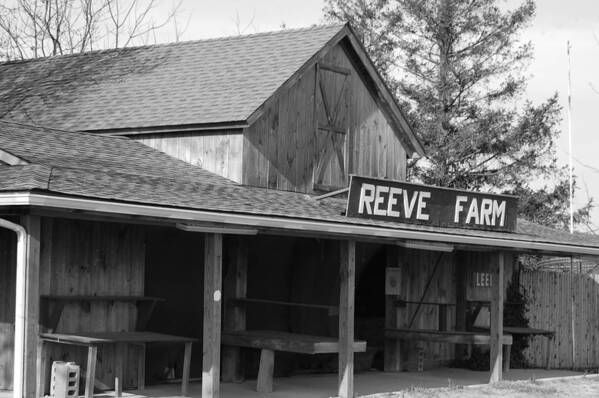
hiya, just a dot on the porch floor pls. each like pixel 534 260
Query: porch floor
pixel 325 385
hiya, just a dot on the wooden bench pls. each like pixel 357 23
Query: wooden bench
pixel 52 306
pixel 443 336
pixel 121 339
pixel 269 341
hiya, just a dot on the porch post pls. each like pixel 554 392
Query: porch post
pixel 32 300
pixel 497 318
pixel 213 244
pixel 346 318
pixel 393 360
pixel 235 286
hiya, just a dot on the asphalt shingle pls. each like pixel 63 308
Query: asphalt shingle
pixel 196 82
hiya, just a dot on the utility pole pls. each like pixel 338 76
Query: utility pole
pixel 570 138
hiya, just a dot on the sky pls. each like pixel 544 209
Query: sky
pixel 556 22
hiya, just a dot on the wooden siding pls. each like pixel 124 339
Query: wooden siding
pixel 557 301
pixel 217 151
pixel 92 258
pixel 282 147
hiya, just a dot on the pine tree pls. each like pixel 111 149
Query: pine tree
pixel 459 68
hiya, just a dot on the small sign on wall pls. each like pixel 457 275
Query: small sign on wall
pixel 482 279
pixel 392 281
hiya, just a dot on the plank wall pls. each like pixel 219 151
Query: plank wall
pixel 282 146
pixel 218 151
pixel 563 302
pixel 93 258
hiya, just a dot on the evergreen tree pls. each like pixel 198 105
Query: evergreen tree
pixel 458 67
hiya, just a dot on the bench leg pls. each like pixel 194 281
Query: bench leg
pixel 548 344
pixel 420 349
pixel 186 367
pixel 264 383
pixel 42 364
pixel 141 367
pixel 507 351
pixel 121 350
pixel 92 354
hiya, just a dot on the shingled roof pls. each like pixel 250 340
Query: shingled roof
pixel 121 170
pixel 188 83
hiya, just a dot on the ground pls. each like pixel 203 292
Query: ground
pixel 567 387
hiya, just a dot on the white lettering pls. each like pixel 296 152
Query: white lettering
pixel 408 204
pixel 458 207
pixel 473 212
pixel 498 212
pixel 379 200
pixel 366 198
pixel 422 205
pixel 392 202
pixel 485 211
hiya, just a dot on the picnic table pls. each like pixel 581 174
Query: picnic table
pixel 92 340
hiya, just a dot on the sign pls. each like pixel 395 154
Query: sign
pixel 423 204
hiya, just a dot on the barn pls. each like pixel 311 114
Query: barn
pixel 233 209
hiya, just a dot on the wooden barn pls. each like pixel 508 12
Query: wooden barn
pixel 235 209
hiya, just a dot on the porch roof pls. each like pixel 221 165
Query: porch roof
pixel 129 177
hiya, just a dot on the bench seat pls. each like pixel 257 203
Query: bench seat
pixel 269 341
pixel 455 337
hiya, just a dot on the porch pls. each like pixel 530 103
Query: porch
pixel 325 385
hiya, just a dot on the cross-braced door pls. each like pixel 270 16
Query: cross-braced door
pixel 331 109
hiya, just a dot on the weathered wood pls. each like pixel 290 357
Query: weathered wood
pixel 87 338
pixel 283 146
pixel 8 244
pixel 461 351
pixel 285 341
pixel 217 151
pixel 453 337
pixel 392 354
pixel 119 369
pixel 235 290
pixel 212 315
pixel 265 381
pixel 92 353
pixel 186 369
pixel 32 225
pixel 243 302
pixel 347 257
pixel 141 367
pixel 497 318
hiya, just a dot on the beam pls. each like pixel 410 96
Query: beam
pixel 497 318
pixel 32 301
pixel 347 274
pixel 213 245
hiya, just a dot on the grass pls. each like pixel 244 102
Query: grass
pixel 566 387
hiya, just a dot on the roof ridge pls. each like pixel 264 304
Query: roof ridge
pixel 314 27
pixel 62 131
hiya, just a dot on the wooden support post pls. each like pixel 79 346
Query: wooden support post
pixel 461 350
pixel 265 380
pixel 212 315
pixel 92 354
pixel 32 302
pixel 121 353
pixel 497 318
pixel 234 287
pixel 346 318
pixel 392 355
pixel 42 365
pixel 186 369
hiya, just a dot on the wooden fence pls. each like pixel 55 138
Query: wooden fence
pixel 567 303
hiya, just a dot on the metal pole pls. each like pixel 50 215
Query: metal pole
pixel 570 138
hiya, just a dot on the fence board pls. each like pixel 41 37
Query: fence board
pixel 555 301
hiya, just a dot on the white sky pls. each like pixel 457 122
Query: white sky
pixel 557 21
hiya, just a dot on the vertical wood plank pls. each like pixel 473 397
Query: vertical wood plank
pixel 212 315
pixel 265 381
pixel 346 318
pixel 235 286
pixel 32 299
pixel 497 318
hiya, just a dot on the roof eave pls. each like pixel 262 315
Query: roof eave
pixel 293 225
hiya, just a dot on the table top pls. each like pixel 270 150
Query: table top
pixel 93 338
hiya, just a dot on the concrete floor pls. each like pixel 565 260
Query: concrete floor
pixel 323 386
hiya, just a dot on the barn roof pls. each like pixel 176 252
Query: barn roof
pixel 195 83
pixel 119 170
